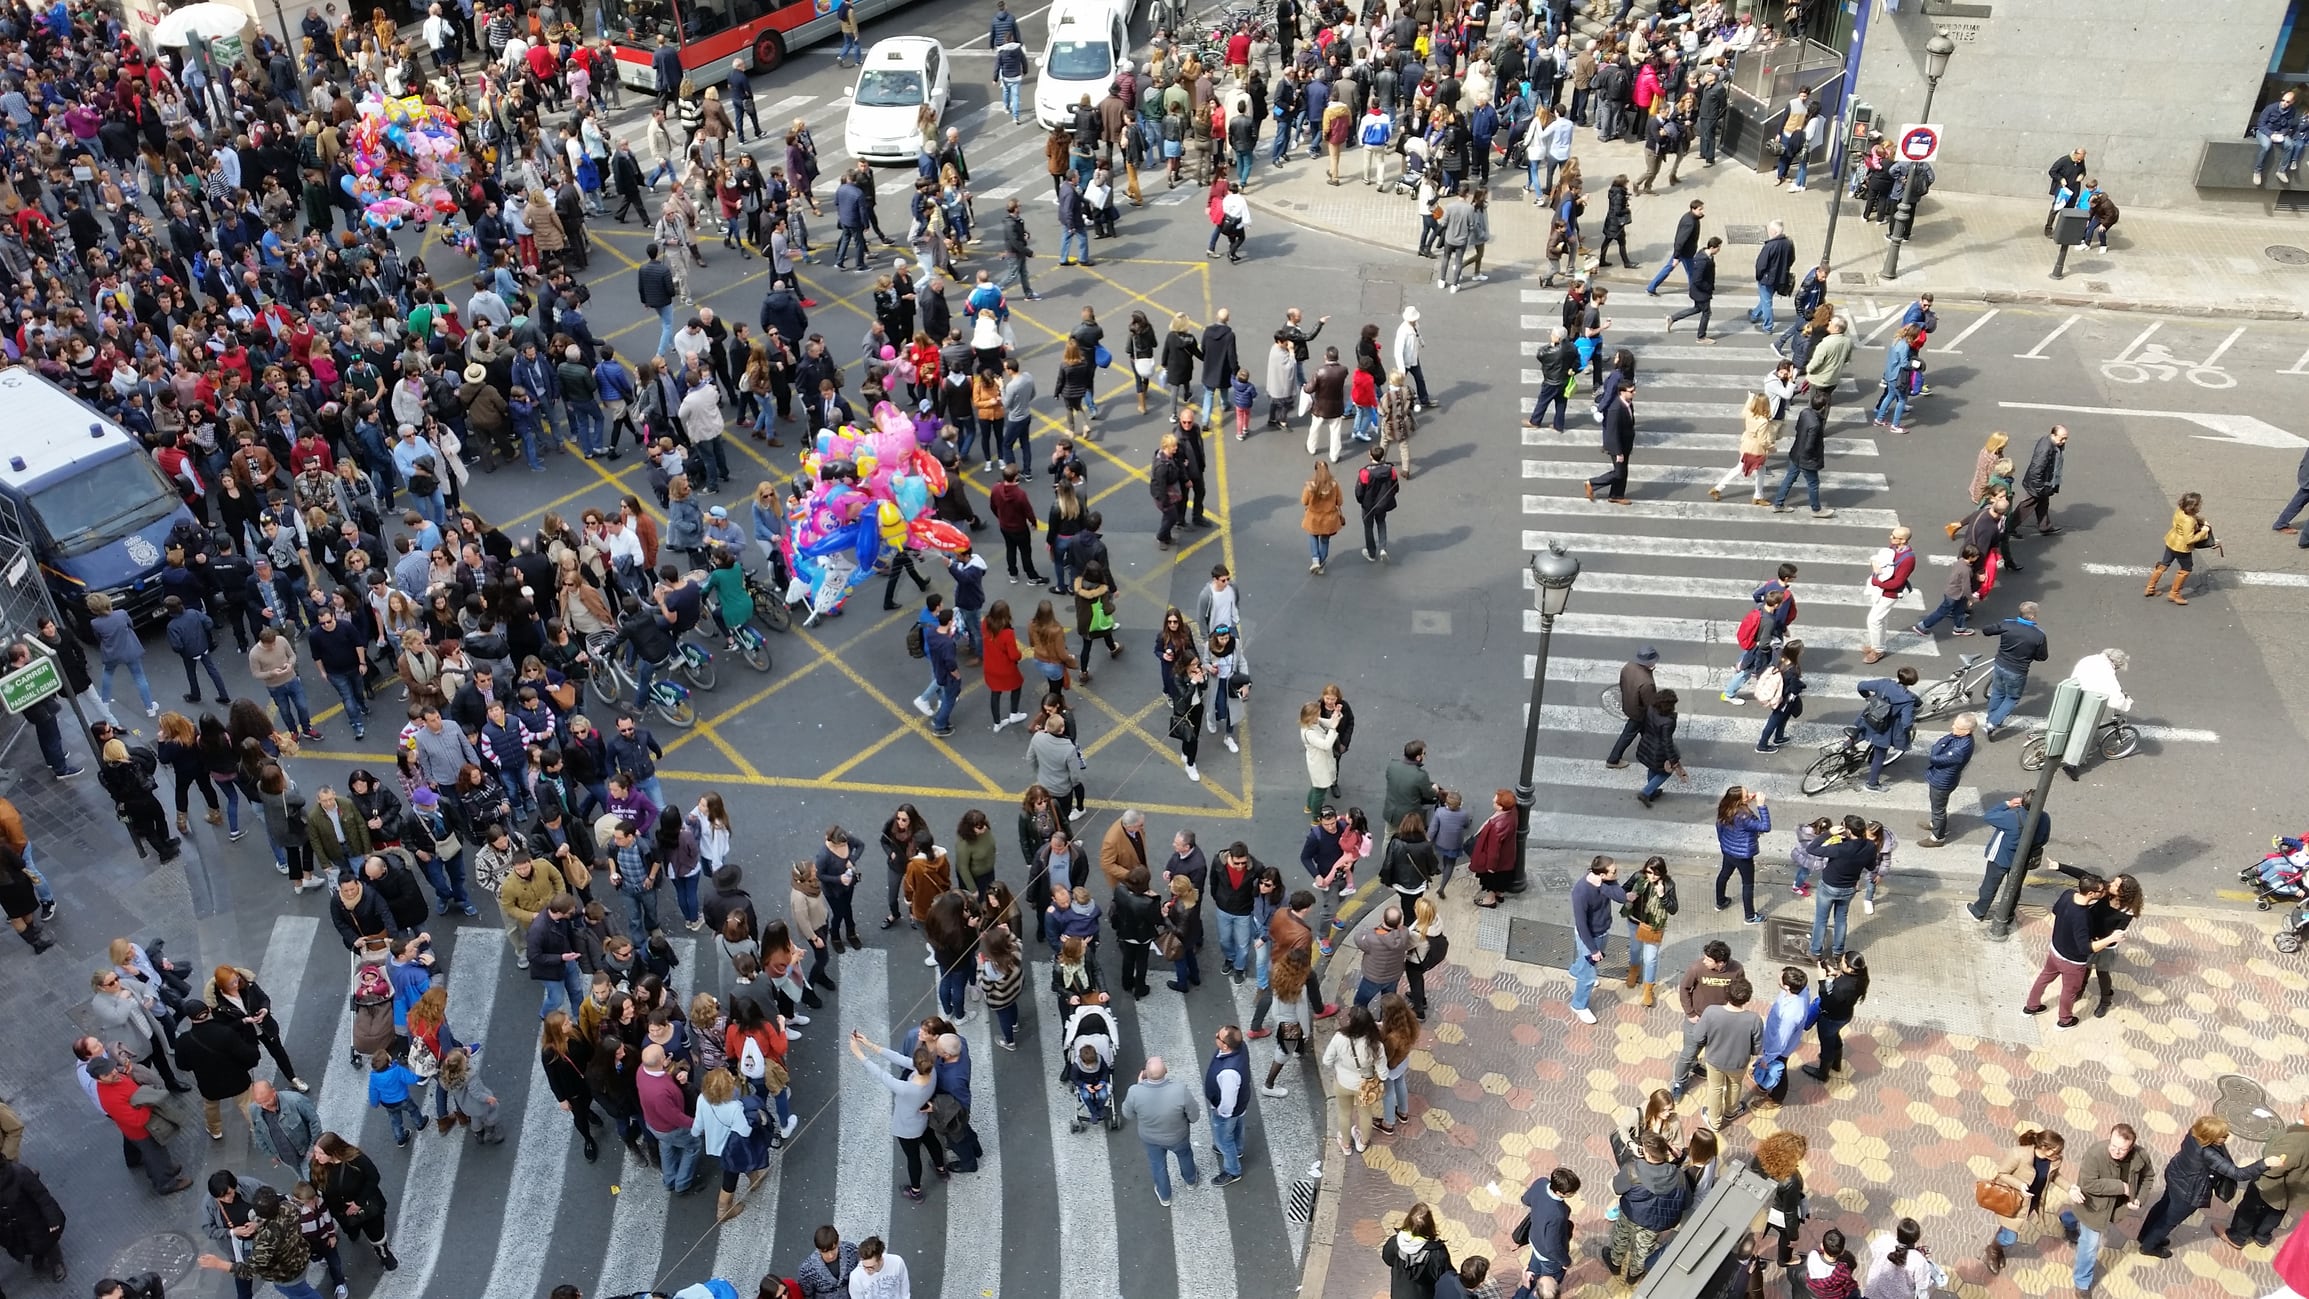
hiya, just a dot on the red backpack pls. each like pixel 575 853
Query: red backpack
pixel 1751 627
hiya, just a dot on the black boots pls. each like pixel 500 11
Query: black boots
pixel 36 936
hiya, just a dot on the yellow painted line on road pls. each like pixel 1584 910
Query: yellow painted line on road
pixel 852 762
pixel 902 712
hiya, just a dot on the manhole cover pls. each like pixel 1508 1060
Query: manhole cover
pixel 2245 1104
pixel 1787 941
pixel 1853 279
pixel 1539 942
pixel 169 1255
pixel 2287 255
pixel 1743 234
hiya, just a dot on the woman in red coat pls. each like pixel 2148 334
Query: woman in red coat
pixel 1493 856
pixel 1004 681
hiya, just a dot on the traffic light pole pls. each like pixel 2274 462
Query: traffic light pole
pixel 2073 708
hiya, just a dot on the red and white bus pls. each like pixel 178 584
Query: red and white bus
pixel 712 33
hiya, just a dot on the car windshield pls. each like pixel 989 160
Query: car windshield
pixel 104 503
pixel 889 88
pixel 1079 60
pixel 642 21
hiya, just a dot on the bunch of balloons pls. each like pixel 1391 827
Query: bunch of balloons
pixel 406 161
pixel 866 493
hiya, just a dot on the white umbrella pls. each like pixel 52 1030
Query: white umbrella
pixel 208 20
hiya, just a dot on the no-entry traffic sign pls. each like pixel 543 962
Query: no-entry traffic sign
pixel 1919 141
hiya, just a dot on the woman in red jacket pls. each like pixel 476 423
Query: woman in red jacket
pixel 1492 858
pixel 1000 666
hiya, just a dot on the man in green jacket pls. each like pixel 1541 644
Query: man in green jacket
pixel 1409 787
pixel 2286 1181
pixel 276 1251
pixel 2111 1178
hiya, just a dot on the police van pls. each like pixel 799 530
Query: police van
pixel 83 494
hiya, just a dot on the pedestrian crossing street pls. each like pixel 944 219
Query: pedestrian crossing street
pixel 1048 1213
pixel 1675 570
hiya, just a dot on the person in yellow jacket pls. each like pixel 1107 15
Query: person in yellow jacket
pixel 2187 532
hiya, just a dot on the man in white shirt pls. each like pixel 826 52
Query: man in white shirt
pixel 2097 673
pixel 879 1274
pixel 1407 354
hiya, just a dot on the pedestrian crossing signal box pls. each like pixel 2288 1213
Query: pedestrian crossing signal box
pixel 1719 1240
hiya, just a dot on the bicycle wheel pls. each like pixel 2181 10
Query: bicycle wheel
pixel 699 673
pixel 1828 771
pixel 756 652
pixel 678 712
pixel 1610 699
pixel 2120 740
pixel 773 614
pixel 2032 754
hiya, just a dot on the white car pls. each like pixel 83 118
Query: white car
pixel 899 76
pixel 1087 42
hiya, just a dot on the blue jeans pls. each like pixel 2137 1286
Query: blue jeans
pixel 664 331
pixel 1185 1150
pixel 1010 92
pixel 2004 690
pixel 296 714
pixel 1955 608
pixel 1319 549
pixel 1243 164
pixel 2267 146
pixel 1366 990
pixel 1235 940
pixel 565 992
pixel 447 876
pixel 1073 239
pixel 1646 955
pixel 404 1113
pixel 641 905
pixel 1892 406
pixel 1551 395
pixel 1583 972
pixel 848 240
pixel 356 696
pixel 943 718
pixel 585 422
pixel 1227 1135
pixel 685 895
pixel 192 666
pixel 1762 315
pixel 1653 781
pixel 1827 899
pixel 298 1289
pixel 677 1157
pixel 2088 1249
pixel 1016 445
pixel 712 460
pixel 850 48
pixel 1811 479
pixel 1282 147
pixel 1366 422
pixel 1672 263
pixel 953 987
pixel 136 673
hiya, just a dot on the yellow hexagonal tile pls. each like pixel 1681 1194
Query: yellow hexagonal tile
pixel 1444 1076
pixel 1515 1143
pixel 1438 1120
pixel 1496 1084
pixel 1876 1171
pixel 1923 1207
pixel 2213 976
pixel 1504 1002
pixel 1448 1034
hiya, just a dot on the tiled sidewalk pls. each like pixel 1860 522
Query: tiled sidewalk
pixel 1989 247
pixel 1506 1085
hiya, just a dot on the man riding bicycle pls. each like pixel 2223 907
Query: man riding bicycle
pixel 648 641
pixel 2097 673
pixel 1887 721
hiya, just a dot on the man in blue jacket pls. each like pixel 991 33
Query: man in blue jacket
pixel 850 217
pixel 2004 837
pixel 1592 899
pixel 192 634
pixel 1943 769
pixel 1886 720
pixel 2020 642
pixel 945 671
pixel 1549 1203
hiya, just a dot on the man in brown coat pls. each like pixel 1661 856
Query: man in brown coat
pixel 1637 691
pixel 1124 848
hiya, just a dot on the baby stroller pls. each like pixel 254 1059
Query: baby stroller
pixel 372 1010
pixel 1091 1038
pixel 2278 876
pixel 1414 167
pixel 2289 939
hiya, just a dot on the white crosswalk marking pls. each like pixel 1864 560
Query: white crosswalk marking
pixel 1286 1126
pixel 287 956
pixel 1083 1164
pixel 424 1210
pixel 1198 1212
pixel 1716 588
pixel 1701 476
pixel 1636 628
pixel 973 1215
pixel 637 1226
pixel 344 1089
pixel 1762 552
pixel 863 1189
pixel 540 1165
pixel 1724 444
pixel 1731 510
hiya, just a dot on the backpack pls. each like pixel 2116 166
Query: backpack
pixel 914 646
pixel 1751 627
pixel 1876 714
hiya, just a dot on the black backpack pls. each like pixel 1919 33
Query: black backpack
pixel 914 646
pixel 1876 715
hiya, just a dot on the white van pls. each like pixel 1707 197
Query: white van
pixel 1087 42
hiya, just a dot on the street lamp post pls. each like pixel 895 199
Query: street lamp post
pixel 1936 55
pixel 1551 576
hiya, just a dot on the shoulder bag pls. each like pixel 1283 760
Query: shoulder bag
pixel 2005 1201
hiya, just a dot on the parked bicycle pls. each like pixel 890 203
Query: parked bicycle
pixel 2114 738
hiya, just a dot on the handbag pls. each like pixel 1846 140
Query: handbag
pixel 1170 944
pixel 1372 1089
pixel 1101 357
pixel 1182 726
pixel 1144 366
pixel 1521 1236
pixel 2003 1200
pixel 1306 402
pixel 1649 933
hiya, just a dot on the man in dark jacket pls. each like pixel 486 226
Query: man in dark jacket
pixel 1701 282
pixel 220 1056
pixel 1686 246
pixel 1558 358
pixel 1637 691
pixel 1619 443
pixel 1377 488
pixel 850 219
pixel 1220 361
pixel 1775 275
pixel 2067 175
pixel 1135 914
pixel 34 1221
pixel 2003 852
pixel 2020 642
pixel 1714 100
pixel 2040 482
pixel 1549 1202
pixel 1327 392
pixel 192 634
pixel 359 913
pixel 782 311
pixel 1943 769
pixel 553 951
pixel 1886 720
pixel 1807 452
pixel 654 284
pixel 1018 245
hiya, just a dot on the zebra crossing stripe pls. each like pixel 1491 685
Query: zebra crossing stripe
pixel 1286 1126
pixel 1724 727
pixel 424 1204
pixel 1705 548
pixel 540 1166
pixel 1652 380
pixel 862 1188
pixel 343 1102
pixel 1199 1212
pixel 638 1216
pixel 1636 629
pixel 1083 1165
pixel 1722 588
pixel 1730 510
pixel 1687 475
pixel 1781 786
pixel 1726 444
pixel 1687 677
pixel 288 954
pixel 1728 412
pixel 973 1219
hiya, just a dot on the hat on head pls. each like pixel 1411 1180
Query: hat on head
pixel 1411 313
pixel 476 373
pixel 1647 656
pixel 425 797
pixel 718 512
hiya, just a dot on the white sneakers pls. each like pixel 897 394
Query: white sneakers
pixel 1273 1093
pixel 1193 774
pixel 1583 1014
pixel 923 707
pixel 1229 741
pixel 1014 719
pixel 1868 906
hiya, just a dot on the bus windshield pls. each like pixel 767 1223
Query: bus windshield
pixel 642 21
pixel 1079 60
pixel 889 88
pixel 104 503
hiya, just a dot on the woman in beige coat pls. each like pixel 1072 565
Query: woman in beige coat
pixel 2033 1166
pixel 544 226
pixel 1759 434
pixel 1322 515
pixel 1984 464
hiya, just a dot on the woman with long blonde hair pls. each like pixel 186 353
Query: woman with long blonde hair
pixel 1046 636
pixel 1322 514
pixel 1984 464
pixel 1759 434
